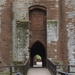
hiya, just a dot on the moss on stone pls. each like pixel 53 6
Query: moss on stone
pixel 21 32
pixel 24 24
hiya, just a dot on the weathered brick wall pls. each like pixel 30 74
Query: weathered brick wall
pixel 68 31
pixel 52 8
pixel 63 34
pixel 20 13
pixel 53 32
pixel 5 32
pixel 14 18
pixel 20 36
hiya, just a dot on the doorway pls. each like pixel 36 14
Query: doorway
pixel 37 49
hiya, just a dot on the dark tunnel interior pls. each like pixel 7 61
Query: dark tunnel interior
pixel 39 49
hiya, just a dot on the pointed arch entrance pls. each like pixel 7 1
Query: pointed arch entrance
pixel 38 49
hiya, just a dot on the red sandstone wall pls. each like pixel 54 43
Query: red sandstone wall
pixel 63 33
pixel 68 31
pixel 6 33
pixel 53 51
pixel 56 10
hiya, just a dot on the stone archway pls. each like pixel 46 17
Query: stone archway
pixel 39 49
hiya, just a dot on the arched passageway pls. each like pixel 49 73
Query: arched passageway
pixel 39 49
pixel 37 61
